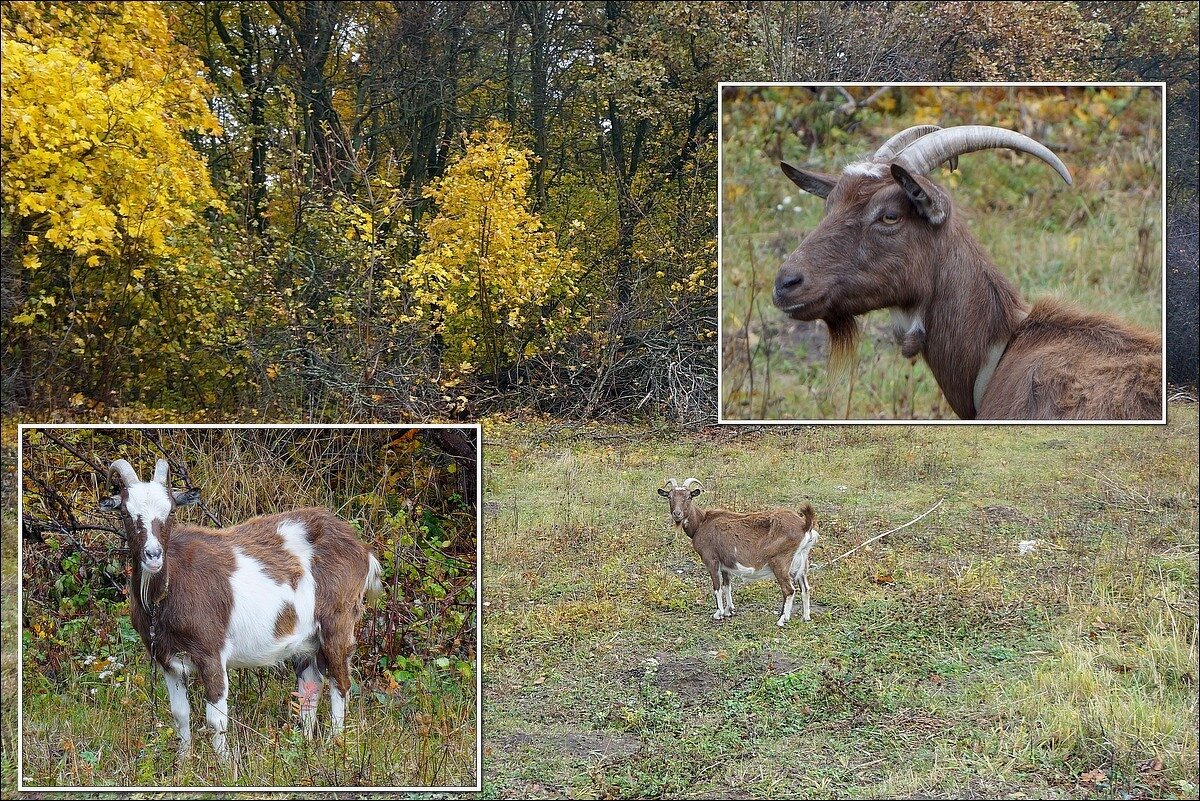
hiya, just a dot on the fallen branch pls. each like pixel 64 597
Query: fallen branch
pixel 880 536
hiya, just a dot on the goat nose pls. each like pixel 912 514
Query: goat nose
pixel 786 281
pixel 154 553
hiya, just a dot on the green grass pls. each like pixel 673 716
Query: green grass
pixel 94 715
pixel 81 729
pixel 939 662
pixel 1096 244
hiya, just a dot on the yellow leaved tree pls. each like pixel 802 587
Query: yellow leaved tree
pixel 111 274
pixel 489 280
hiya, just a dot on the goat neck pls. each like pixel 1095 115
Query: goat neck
pixel 146 593
pixel 969 318
pixel 692 520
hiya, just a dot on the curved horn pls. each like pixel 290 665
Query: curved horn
pixel 688 483
pixel 932 149
pixel 672 483
pixel 161 468
pixel 125 470
pixel 892 147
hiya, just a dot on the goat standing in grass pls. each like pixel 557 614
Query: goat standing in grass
pixel 284 586
pixel 749 545
pixel 890 239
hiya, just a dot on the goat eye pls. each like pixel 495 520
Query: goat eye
pixel 890 219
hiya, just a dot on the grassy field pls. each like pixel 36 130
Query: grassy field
pixel 1097 243
pixel 93 714
pixel 939 663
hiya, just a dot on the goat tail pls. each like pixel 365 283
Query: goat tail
pixel 373 586
pixel 810 519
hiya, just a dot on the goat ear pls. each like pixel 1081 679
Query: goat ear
pixel 931 205
pixel 110 504
pixel 815 183
pixel 188 497
pixel 663 492
pixel 695 492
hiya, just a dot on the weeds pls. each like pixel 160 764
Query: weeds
pixel 1097 244
pixel 940 661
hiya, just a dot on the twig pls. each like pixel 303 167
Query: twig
pixel 92 463
pixel 880 536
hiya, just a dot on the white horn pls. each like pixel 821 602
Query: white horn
pixel 892 147
pixel 125 470
pixel 161 468
pixel 932 149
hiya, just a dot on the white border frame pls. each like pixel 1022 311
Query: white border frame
pixel 300 791
pixel 1162 89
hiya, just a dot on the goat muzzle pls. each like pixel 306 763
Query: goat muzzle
pixel 152 560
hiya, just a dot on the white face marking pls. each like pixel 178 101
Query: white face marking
pixel 147 502
pixel 867 169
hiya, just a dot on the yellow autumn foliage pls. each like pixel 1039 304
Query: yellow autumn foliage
pixel 102 201
pixel 97 98
pixel 489 280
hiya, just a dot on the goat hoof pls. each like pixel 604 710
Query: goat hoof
pixel 782 622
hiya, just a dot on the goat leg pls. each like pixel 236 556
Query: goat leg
pixel 714 571
pixel 175 677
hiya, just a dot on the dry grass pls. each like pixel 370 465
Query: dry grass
pixel 93 715
pixel 1097 243
pixel 940 662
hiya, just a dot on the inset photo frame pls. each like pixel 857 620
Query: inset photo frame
pixel 249 607
pixel 942 253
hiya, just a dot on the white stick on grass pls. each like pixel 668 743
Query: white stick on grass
pixel 880 536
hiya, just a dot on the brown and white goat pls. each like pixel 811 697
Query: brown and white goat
pixel 890 239
pixel 750 546
pixel 284 586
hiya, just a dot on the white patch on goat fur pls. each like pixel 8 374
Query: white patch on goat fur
pixel 787 609
pixel 865 169
pixel 337 707
pixel 308 688
pixel 296 542
pixel 257 600
pixel 216 717
pixel 749 573
pixel 905 322
pixel 176 681
pixel 148 501
pixel 995 353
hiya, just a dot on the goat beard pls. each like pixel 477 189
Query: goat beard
pixel 844 333
pixel 144 590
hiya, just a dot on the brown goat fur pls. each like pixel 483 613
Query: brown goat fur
pixel 1040 379
pixel 751 545
pixel 891 239
pixel 281 586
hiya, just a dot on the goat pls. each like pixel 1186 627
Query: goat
pixel 749 545
pixel 890 239
pixel 282 586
